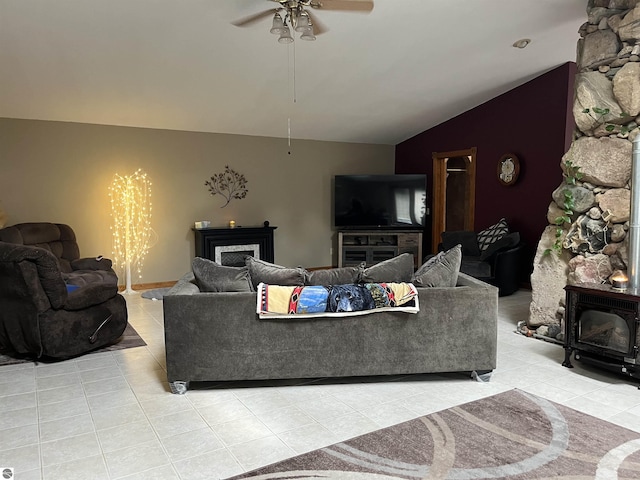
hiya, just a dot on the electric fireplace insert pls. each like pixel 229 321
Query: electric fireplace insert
pixel 601 327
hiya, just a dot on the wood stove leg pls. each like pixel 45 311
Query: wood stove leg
pixel 567 357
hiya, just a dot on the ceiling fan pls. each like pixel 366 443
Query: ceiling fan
pixel 296 13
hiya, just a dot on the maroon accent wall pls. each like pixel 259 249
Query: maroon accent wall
pixel 533 121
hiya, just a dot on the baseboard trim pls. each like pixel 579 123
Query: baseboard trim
pixel 148 286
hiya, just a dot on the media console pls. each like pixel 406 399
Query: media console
pixel 374 246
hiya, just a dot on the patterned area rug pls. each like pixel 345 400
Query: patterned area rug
pixel 512 435
pixel 129 339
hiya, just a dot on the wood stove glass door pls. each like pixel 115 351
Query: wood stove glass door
pixel 604 330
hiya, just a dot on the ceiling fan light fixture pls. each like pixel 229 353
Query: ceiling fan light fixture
pixel 308 34
pixel 285 36
pixel 298 15
pixel 302 22
pixel 277 28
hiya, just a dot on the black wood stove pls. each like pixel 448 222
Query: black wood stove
pixel 601 327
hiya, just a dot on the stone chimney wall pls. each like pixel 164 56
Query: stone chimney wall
pixel 586 240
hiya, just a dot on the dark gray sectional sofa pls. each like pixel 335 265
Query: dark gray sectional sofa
pixel 217 336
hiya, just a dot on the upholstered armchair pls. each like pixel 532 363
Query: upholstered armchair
pixel 493 255
pixel 52 302
pixel 60 239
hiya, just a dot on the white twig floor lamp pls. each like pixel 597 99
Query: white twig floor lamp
pixel 131 229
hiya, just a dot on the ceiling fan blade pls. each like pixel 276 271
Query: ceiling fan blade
pixel 251 19
pixel 364 6
pixel 318 27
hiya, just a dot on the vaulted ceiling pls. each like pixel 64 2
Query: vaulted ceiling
pixel 378 78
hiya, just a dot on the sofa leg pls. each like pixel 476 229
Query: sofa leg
pixel 178 387
pixel 481 375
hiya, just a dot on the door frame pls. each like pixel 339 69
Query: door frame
pixel 440 192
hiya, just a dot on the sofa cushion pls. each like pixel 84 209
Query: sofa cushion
pixel 94 263
pixel 92 294
pixel 510 240
pixel 57 238
pixel 80 278
pixel 396 269
pixel 475 267
pixel 213 277
pixel 333 276
pixel 441 270
pixel 491 234
pixel 466 238
pixel 270 273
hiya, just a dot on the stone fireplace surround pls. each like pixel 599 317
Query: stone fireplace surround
pixel 606 110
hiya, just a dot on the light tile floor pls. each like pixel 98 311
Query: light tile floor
pixel 111 416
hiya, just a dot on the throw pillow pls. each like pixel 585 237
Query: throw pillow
pixel 440 270
pixel 466 238
pixel 333 276
pixel 489 235
pixel 213 277
pixel 397 269
pixel 272 274
pixel 508 241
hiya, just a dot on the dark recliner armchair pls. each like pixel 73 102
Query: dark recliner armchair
pixel 499 264
pixel 52 302
pixel 60 239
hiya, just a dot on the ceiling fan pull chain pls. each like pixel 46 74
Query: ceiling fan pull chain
pixel 292 85
pixel 295 92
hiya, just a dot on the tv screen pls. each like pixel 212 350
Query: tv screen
pixel 380 201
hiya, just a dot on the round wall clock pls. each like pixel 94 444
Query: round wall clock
pixel 508 169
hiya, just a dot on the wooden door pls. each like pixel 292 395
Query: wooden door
pixel 454 192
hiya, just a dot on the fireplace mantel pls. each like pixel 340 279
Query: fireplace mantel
pixel 215 243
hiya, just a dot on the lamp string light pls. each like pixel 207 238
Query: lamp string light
pixel 131 228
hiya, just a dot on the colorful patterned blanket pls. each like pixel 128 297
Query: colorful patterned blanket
pixel 277 301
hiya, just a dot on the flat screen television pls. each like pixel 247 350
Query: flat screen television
pixel 380 201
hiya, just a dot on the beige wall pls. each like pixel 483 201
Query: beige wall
pixel 61 172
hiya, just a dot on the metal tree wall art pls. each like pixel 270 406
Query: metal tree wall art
pixel 229 184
